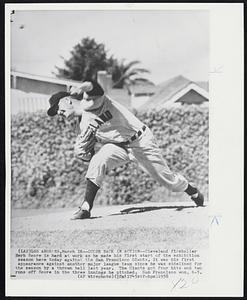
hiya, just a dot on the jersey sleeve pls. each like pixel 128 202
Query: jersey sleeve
pixel 97 90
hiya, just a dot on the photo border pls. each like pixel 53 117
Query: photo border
pixel 225 153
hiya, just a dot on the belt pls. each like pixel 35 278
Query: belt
pixel 134 137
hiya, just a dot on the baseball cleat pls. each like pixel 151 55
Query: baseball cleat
pixel 199 200
pixel 81 214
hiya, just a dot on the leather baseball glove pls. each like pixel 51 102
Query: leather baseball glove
pixel 84 145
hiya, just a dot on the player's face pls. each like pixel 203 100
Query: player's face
pixel 66 108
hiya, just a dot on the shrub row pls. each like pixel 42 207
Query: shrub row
pixel 45 173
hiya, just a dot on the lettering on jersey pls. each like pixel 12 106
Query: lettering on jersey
pixel 106 116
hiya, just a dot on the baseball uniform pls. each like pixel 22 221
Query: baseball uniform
pixel 125 138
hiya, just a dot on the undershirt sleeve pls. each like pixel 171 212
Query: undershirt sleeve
pixel 97 90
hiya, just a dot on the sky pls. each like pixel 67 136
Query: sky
pixel 167 42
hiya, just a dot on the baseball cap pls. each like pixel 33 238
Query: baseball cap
pixel 54 100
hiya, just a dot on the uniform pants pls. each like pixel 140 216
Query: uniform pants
pixel 145 152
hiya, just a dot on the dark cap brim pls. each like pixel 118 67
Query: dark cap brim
pixel 52 111
pixel 54 100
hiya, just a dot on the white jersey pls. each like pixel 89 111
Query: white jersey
pixel 113 121
pixel 116 124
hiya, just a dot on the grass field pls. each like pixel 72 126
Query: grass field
pixel 146 225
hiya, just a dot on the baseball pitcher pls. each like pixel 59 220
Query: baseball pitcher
pixel 123 138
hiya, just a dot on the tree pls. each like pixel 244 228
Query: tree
pixel 125 75
pixel 88 57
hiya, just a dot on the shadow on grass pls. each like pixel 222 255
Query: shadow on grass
pixel 137 210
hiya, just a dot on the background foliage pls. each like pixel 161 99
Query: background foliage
pixel 45 173
pixel 88 57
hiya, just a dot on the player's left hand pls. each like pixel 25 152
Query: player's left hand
pixel 85 87
pixel 76 91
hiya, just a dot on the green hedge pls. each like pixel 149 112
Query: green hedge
pixel 45 172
